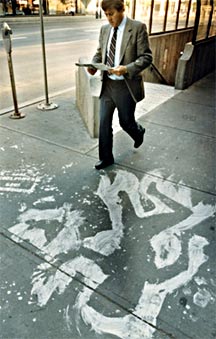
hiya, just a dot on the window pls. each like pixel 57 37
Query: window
pixel 170 15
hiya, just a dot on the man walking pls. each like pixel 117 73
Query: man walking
pixel 124 48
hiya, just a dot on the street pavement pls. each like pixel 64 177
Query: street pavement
pixel 126 252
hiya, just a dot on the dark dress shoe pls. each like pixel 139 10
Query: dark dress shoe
pixel 140 138
pixel 104 163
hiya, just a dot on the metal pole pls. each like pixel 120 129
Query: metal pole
pixel 16 114
pixel 47 105
pixel 151 16
pixel 165 16
pixel 10 66
pixel 177 15
pixel 133 9
pixel 6 35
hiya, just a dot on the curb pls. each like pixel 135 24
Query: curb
pixel 22 19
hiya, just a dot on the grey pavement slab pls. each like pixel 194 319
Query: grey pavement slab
pixel 186 116
pixel 50 200
pixel 48 204
pixel 62 126
pixel 202 92
pixel 188 156
pixel 128 252
pixel 179 133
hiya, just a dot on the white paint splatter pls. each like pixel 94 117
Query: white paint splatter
pixel 107 242
pixel 19 181
pixel 202 298
pixel 200 281
pixel 166 244
pixel 44 200
pixel 187 291
pixel 150 302
pixel 44 287
pixel 67 239
pixel 67 318
pixel 68 166
pixel 23 207
pixel 86 201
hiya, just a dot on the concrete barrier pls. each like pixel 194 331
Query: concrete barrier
pixel 196 62
pixel 166 51
pixel 87 98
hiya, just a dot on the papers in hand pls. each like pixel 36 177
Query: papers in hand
pixel 99 66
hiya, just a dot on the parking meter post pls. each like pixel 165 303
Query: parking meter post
pixel 46 105
pixel 44 55
pixel 10 65
pixel 6 35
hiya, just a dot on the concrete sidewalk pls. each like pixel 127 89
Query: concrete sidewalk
pixel 127 252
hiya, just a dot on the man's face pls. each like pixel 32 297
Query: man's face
pixel 114 17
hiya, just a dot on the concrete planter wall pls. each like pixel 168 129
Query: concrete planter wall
pixel 87 98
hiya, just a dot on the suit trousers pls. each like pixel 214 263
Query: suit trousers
pixel 115 94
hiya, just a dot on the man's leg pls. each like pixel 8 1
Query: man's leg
pixel 126 110
pixel 107 108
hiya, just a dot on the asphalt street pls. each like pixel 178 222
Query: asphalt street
pixel 66 39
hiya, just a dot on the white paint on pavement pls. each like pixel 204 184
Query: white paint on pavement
pixel 202 297
pixel 149 197
pixel 24 180
pixel 150 302
pixel 67 239
pixel 44 288
pixel 44 200
pixel 167 245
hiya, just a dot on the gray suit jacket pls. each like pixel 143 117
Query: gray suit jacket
pixel 135 54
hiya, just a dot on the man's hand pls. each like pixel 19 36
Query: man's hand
pixel 92 71
pixel 119 70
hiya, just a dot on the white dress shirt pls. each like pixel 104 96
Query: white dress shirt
pixel 120 32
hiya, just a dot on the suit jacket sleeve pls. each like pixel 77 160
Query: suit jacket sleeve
pixel 136 54
pixel 98 57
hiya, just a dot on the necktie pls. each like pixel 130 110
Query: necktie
pixel 111 55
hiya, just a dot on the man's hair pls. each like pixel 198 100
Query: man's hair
pixel 112 4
